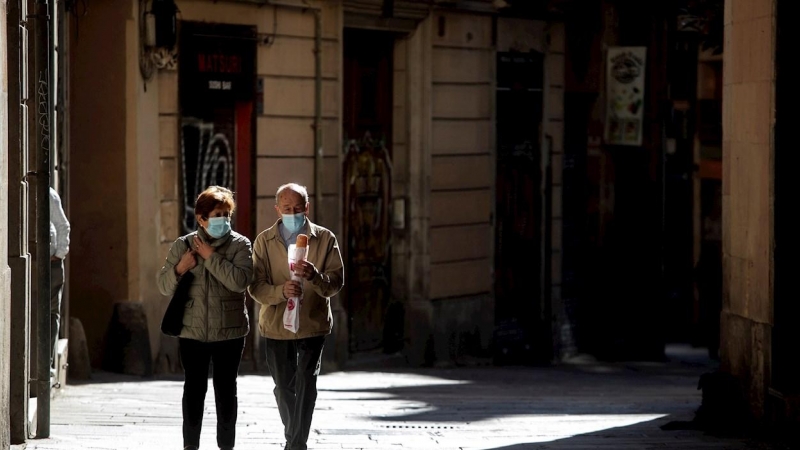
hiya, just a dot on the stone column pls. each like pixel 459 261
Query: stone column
pixel 747 188
pixel 5 271
pixel 19 258
pixel 419 310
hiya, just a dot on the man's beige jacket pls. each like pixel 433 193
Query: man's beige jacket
pixel 271 272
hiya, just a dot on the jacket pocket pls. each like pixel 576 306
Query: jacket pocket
pixel 234 314
pixel 188 313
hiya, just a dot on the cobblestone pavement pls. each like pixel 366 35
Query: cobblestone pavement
pixel 585 405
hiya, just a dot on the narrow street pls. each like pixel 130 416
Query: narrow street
pixel 583 405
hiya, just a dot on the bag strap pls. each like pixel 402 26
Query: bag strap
pixel 185 240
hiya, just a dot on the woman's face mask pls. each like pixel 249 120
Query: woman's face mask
pixel 218 227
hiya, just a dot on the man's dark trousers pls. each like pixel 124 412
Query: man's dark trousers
pixel 295 365
pixel 56 290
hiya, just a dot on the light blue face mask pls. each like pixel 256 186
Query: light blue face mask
pixel 293 222
pixel 218 226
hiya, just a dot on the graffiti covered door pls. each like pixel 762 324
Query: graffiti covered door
pixel 217 94
pixel 367 181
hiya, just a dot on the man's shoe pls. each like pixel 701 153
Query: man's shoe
pixel 190 447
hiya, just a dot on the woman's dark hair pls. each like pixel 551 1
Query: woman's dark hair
pixel 211 198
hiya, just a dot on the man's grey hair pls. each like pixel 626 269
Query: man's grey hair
pixel 292 187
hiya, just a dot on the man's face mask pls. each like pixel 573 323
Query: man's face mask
pixel 293 222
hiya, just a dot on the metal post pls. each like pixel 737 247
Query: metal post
pixel 42 103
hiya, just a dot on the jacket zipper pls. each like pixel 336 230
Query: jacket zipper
pixel 208 312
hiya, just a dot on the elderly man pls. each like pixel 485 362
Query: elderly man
pixel 294 359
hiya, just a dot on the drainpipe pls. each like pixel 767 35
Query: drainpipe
pixel 43 116
pixel 318 155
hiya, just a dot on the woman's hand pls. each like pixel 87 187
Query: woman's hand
pixel 187 263
pixel 202 248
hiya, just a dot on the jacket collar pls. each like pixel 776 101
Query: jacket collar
pixel 211 241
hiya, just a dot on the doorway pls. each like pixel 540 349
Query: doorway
pixel 522 330
pixel 367 124
pixel 786 334
pixel 217 97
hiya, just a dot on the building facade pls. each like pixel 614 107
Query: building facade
pixel 459 152
pixel 409 126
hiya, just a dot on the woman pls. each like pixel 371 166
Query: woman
pixel 218 264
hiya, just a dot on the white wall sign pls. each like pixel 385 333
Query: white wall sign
pixel 625 72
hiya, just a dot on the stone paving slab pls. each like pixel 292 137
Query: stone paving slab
pixel 593 406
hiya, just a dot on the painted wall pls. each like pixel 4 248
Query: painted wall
pixel 462 184
pixel 143 205
pixel 99 189
pixel 462 152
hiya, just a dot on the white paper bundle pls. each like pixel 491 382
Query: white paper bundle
pixel 291 315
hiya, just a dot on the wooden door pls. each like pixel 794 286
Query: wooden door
pixel 367 181
pixel 519 309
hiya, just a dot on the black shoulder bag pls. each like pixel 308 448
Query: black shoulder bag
pixel 172 322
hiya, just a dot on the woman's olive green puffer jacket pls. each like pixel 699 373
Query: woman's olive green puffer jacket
pixel 216 309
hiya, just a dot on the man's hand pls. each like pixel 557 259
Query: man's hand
pixel 202 248
pixel 292 289
pixel 187 263
pixel 305 270
pixel 54 258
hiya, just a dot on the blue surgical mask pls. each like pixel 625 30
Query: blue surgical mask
pixel 293 222
pixel 218 226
